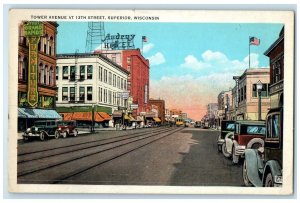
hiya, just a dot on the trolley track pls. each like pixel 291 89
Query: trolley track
pixel 40 154
pixel 91 156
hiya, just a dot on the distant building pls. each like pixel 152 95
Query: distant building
pixel 276 55
pixel 91 83
pixel 212 111
pixel 245 94
pixel 161 108
pixel 224 106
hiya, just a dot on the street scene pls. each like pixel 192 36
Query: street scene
pixel 113 103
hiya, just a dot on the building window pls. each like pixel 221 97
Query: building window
pixel 65 72
pixel 51 76
pixel 109 78
pixel 128 68
pixel 82 72
pixel 101 97
pixel 56 94
pixel 64 94
pixel 89 93
pixel 72 73
pixel 254 90
pixel 57 72
pixel 242 93
pixel 109 96
pixel 125 84
pixel 264 90
pixel 128 59
pixel 81 93
pixel 118 82
pixel 114 80
pixel 245 93
pixel 72 93
pixel 89 72
pixel 51 46
pixel 45 74
pixel 105 95
pixel 277 73
pixel 105 76
pixel 100 73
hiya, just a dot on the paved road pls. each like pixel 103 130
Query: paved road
pixel 188 157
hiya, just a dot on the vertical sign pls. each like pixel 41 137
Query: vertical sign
pixel 33 31
pixel 146 94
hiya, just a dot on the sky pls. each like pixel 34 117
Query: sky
pixel 190 63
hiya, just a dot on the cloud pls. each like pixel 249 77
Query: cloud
pixel 192 62
pixel 218 61
pixel 147 47
pixel 157 59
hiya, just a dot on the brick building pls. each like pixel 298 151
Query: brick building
pixel 138 80
pixel 36 72
pixel 161 108
pixel 276 55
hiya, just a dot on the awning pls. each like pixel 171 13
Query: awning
pixel 98 117
pixel 139 118
pixel 150 115
pixel 38 113
pixel 117 114
pixel 157 120
pixel 132 119
pixel 82 116
pixel 126 117
pixel 105 116
pixel 67 116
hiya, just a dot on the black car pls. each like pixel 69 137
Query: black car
pixel 42 130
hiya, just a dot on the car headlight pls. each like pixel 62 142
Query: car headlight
pixel 28 130
pixel 36 129
pixel 59 128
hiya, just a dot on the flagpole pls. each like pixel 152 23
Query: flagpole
pixel 249 50
pixel 142 45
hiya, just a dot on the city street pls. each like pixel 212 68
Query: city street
pixel 151 156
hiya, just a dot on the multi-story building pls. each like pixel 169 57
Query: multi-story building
pixel 245 94
pixel 224 106
pixel 36 72
pixel 161 108
pixel 91 83
pixel 138 80
pixel 276 55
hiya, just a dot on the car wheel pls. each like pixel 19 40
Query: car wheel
pixel 42 136
pixel 235 158
pixel 219 148
pixel 224 151
pixel 269 181
pixel 75 133
pixel 65 134
pixel 56 135
pixel 245 176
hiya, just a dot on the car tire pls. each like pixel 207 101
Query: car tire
pixel 245 176
pixel 235 158
pixel 269 182
pixel 56 134
pixel 224 151
pixel 42 136
pixel 219 148
pixel 75 133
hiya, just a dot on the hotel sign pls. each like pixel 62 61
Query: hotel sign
pixel 33 31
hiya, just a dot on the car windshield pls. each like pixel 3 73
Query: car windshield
pixel 230 126
pixel 253 130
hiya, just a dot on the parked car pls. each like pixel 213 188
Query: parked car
pixel 263 166
pixel 42 130
pixel 227 126
pixel 246 135
pixel 67 128
pixel 197 124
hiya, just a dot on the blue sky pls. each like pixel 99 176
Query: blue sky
pixel 203 55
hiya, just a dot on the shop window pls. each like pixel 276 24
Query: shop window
pixel 65 72
pixel 82 94
pixel 89 93
pixel 89 72
pixel 64 94
pixel 254 90
pixel 82 72
pixel 72 93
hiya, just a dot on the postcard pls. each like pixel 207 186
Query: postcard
pixel 151 101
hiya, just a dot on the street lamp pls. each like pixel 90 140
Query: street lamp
pixel 259 86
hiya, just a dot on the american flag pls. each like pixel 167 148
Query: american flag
pixel 144 38
pixel 254 41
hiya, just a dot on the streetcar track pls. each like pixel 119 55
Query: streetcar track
pixel 72 145
pixel 130 136
pixel 24 173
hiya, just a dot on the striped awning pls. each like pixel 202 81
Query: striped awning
pixel 126 117
pixel 67 116
pixel 38 113
pixel 82 116
pixel 105 116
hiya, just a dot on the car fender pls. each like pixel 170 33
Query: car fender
pixel 255 140
pixel 252 159
pixel 229 142
pixel 274 167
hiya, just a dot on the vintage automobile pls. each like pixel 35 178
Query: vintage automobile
pixel 42 130
pixel 263 167
pixel 67 128
pixel 227 126
pixel 197 124
pixel 247 135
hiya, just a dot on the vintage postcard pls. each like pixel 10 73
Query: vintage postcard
pixel 151 101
